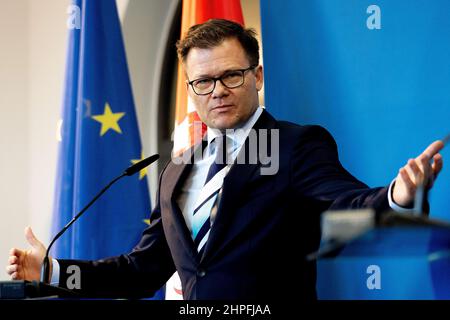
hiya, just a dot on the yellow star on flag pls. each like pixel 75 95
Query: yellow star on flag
pixel 146 221
pixel 143 172
pixel 109 120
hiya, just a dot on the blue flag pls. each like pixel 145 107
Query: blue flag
pixel 99 139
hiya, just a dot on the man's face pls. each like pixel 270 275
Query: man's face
pixel 223 108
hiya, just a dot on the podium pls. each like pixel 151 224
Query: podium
pixel 402 260
pixel 21 289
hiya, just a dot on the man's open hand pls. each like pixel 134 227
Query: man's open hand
pixel 423 169
pixel 26 264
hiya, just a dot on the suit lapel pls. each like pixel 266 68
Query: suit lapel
pixel 177 172
pixel 233 184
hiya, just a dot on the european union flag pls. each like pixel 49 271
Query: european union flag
pixel 99 139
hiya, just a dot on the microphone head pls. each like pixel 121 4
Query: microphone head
pixel 141 165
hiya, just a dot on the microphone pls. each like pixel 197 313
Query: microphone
pixel 420 198
pixel 141 165
pixel 45 270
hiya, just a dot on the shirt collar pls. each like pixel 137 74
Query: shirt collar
pixel 238 136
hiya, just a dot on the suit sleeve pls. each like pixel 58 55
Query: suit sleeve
pixel 318 175
pixel 134 275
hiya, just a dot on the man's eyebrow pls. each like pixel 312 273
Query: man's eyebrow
pixel 203 76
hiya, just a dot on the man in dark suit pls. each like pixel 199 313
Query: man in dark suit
pixel 231 229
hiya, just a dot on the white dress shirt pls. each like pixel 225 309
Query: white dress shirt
pixel 191 188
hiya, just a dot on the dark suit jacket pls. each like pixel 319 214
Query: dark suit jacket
pixel 264 228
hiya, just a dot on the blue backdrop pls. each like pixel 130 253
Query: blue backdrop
pixel 377 78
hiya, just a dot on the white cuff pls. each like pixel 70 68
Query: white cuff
pixel 54 280
pixel 395 206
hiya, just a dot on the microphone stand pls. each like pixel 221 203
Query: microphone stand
pixel 45 269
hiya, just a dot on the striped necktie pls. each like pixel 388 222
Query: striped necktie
pixel 206 205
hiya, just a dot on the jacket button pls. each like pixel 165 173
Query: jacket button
pixel 201 273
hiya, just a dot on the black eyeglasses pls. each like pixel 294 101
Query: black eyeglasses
pixel 230 79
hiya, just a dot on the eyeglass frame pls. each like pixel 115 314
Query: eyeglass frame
pixel 220 79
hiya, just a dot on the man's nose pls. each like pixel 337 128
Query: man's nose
pixel 220 90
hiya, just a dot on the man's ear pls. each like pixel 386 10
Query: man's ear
pixel 259 77
pixel 184 74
